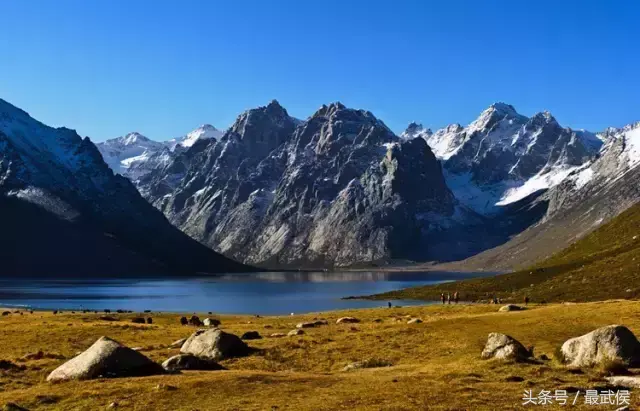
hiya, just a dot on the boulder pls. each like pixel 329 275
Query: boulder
pixel 306 325
pixel 184 321
pixel 149 320
pixel 190 362
pixel 211 322
pixel 615 343
pixel 106 358
pixel 347 320
pixel 195 320
pixel 295 332
pixel 251 335
pixel 178 343
pixel 311 324
pixel 624 381
pixel 138 320
pixel 414 321
pixel 504 347
pixel 215 344
pixel 107 318
pixel 511 307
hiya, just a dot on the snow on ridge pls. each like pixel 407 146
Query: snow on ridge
pixel 541 181
pixel 35 139
pixel 632 139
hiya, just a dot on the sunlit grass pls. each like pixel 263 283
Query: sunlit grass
pixel 435 364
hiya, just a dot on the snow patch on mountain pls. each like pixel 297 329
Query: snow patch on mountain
pixel 633 140
pixel 540 181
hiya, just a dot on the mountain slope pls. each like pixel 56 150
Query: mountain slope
pixel 53 179
pixel 591 195
pixel 602 265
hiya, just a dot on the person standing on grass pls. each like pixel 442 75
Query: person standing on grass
pixel 526 299
pixel 448 298
pixel 455 297
pixel 442 298
pixel 389 304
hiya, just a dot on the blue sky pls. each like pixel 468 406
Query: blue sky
pixel 162 68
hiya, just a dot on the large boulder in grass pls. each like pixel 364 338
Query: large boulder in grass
pixel 504 347
pixel 347 320
pixel 214 344
pixel 105 358
pixel 190 362
pixel 211 322
pixel 511 307
pixel 614 343
pixel 311 324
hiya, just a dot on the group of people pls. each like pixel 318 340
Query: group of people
pixel 456 298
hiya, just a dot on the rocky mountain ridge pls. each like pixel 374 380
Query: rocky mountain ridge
pixel 336 189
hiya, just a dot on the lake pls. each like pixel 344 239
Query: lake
pixel 271 293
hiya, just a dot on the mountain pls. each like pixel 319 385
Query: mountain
pixel 503 157
pixel 66 213
pixel 336 189
pixel 497 193
pixel 135 155
pixel 589 196
pixel 204 132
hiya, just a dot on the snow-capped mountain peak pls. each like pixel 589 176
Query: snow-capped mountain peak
pixel 124 152
pixel 134 154
pixel 204 132
pixel 503 156
pixel 134 138
pixel 414 130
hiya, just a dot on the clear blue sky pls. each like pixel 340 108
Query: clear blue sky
pixel 162 68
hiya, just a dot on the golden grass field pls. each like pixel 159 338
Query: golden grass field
pixel 435 365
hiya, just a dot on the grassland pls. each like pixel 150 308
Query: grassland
pixel 434 365
pixel 603 265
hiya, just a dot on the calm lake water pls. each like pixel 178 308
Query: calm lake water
pixel 255 293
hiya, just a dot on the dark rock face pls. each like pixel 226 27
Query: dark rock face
pixel 337 189
pixel 65 212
